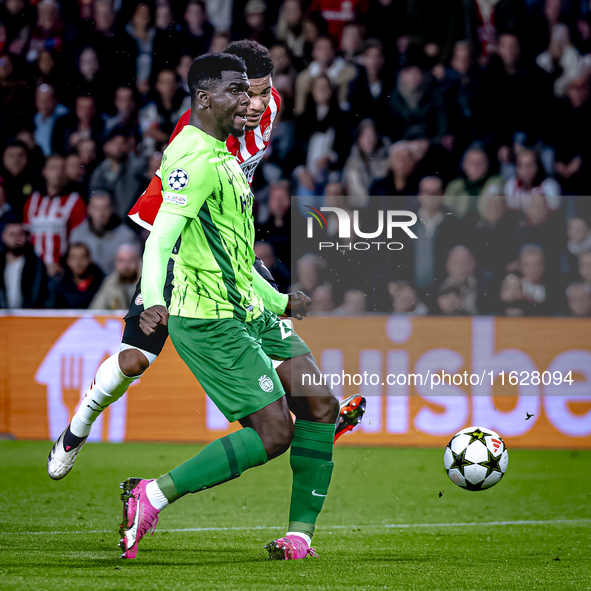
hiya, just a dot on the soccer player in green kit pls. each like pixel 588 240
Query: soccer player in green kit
pixel 220 325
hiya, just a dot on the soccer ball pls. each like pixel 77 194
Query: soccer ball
pixel 476 458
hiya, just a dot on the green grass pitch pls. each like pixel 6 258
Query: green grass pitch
pixel 384 526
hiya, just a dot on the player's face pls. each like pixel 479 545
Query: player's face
pixel 260 95
pixel 230 101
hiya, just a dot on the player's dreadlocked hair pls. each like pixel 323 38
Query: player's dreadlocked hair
pixel 256 57
pixel 206 71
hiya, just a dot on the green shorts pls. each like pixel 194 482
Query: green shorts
pixel 232 359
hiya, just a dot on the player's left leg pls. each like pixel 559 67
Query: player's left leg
pixel 316 411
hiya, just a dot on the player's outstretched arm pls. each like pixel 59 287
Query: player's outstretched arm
pixel 272 299
pixel 167 228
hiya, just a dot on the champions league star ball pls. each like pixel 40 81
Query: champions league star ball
pixel 476 458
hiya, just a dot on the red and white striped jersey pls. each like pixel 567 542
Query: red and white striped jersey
pixel 50 221
pixel 248 150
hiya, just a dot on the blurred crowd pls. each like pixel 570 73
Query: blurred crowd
pixel 474 113
pixel 527 255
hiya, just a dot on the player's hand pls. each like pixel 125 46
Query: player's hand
pixel 297 305
pixel 152 318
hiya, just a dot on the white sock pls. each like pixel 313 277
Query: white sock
pixel 108 386
pixel 297 533
pixel 155 496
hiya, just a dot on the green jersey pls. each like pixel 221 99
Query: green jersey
pixel 202 182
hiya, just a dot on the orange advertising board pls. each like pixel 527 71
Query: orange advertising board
pixel 48 361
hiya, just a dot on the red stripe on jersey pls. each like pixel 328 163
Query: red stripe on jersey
pixel 50 220
pixel 245 149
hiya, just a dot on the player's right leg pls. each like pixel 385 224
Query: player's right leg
pixel 239 377
pixel 110 383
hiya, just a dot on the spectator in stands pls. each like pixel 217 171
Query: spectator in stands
pixel 14 95
pixel 6 213
pixel 159 117
pixel 219 42
pixel 540 290
pixel 338 72
pixel 121 174
pixel 168 32
pixel 512 99
pixel 117 289
pixel 126 114
pixel 561 59
pixel 354 303
pixel 80 281
pixel 579 241
pixel 94 79
pixel 585 266
pixel 578 296
pixel 351 43
pixel 284 77
pixel 369 90
pixel 75 175
pixel 118 51
pixel 543 227
pixel 290 29
pixel 103 232
pixel 36 159
pixel 322 299
pixel 19 180
pixel 450 301
pixel 414 103
pixel 276 230
pixel 321 131
pixel 367 163
pixel 255 19
pixel 512 299
pixel 87 152
pixel 51 216
pixel 198 31
pixel 399 181
pixel 48 112
pixel 462 194
pixel 83 124
pixel 472 283
pixel 280 272
pixel 18 16
pixel 572 121
pixel 338 15
pixel 405 299
pixel 493 239
pixel 531 178
pixel 466 79
pixel 310 267
pixel 141 31
pixel 23 279
pixel 431 185
pixel 49 30
pixel 437 234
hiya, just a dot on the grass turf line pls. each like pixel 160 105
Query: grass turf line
pixel 373 487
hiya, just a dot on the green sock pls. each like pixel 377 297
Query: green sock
pixel 222 460
pixel 311 464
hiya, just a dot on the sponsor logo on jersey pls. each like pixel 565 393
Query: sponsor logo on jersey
pixel 174 199
pixel 267 134
pixel 266 384
pixel 178 179
pixel 139 301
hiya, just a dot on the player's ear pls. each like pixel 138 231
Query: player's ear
pixel 203 98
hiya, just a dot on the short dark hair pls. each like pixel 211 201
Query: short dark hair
pixel 206 70
pixel 256 57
